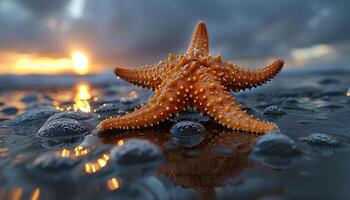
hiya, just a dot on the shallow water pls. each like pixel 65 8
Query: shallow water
pixel 222 166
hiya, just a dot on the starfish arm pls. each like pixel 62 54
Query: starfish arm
pixel 235 78
pixel 216 102
pixel 147 76
pixel 163 105
pixel 199 41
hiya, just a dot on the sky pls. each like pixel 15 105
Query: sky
pixel 41 35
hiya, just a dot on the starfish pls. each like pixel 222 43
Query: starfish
pixel 196 80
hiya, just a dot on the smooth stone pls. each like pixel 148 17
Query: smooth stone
pixel 106 100
pixel 112 90
pixel 273 110
pixel 290 101
pixel 135 152
pixel 53 161
pixel 9 110
pixel 2 103
pixel 108 108
pixel 187 133
pixel 332 92
pixel 34 114
pixel 276 144
pixel 328 81
pixel 62 128
pixel 70 115
pixel 30 98
pixel 321 139
pixel 332 106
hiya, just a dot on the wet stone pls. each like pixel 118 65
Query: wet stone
pixel 273 110
pixel 135 152
pixel 106 100
pixel 34 114
pixel 108 108
pixel 290 101
pixel 70 115
pixel 332 91
pixel 30 98
pixel 273 144
pixel 9 110
pixel 328 81
pixel 321 139
pixel 62 128
pixel 187 133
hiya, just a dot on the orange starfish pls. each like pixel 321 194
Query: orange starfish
pixel 194 80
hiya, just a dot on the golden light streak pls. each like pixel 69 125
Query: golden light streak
pixel 93 167
pixel 80 62
pixel 17 194
pixel 81 100
pixel 36 194
pixel 80 151
pixel 348 93
pixel 65 153
pixel 113 183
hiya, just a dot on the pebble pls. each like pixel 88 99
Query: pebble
pixel 11 110
pixel 276 144
pixel 2 103
pixel 106 100
pixel 328 81
pixel 70 115
pixel 321 139
pixel 187 133
pixel 135 152
pixel 62 128
pixel 30 98
pixel 108 107
pixel 273 110
pixel 34 114
pixel 332 91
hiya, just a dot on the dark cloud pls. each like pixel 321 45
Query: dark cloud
pixel 123 30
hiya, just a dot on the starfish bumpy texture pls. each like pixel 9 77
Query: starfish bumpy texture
pixel 194 80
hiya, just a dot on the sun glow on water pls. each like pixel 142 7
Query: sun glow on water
pixel 81 100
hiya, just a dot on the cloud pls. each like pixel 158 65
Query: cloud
pixel 130 31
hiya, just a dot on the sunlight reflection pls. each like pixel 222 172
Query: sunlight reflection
pixel 348 93
pixel 93 167
pixel 17 194
pixel 80 151
pixel 36 194
pixel 113 183
pixel 120 142
pixel 65 153
pixel 81 100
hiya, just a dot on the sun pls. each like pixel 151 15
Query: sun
pixel 80 62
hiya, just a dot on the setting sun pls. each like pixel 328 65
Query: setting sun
pixel 80 62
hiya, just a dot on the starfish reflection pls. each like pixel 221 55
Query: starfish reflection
pixel 223 154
